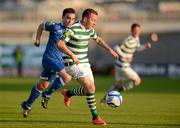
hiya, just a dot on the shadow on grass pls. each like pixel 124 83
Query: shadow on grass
pixel 145 124
pixel 88 122
pixel 43 121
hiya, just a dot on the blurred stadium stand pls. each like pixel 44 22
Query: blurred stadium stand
pixel 19 20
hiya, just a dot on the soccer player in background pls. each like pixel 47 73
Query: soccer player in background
pixel 77 38
pixel 52 61
pixel 125 77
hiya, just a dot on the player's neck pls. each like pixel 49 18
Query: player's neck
pixel 84 25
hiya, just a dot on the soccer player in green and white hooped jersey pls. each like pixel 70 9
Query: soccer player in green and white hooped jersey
pixel 77 39
pixel 79 43
pixel 125 76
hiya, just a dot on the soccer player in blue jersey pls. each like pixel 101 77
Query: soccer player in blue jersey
pixel 52 61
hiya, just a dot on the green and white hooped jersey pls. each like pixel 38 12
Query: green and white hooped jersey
pixel 77 39
pixel 128 47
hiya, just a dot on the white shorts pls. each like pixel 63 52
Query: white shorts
pixel 80 70
pixel 125 73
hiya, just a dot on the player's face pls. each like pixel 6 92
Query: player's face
pixel 68 19
pixel 136 32
pixel 90 21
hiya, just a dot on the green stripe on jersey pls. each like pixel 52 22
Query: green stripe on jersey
pixel 76 46
pixel 78 42
pixel 76 27
pixel 130 46
pixel 78 53
pixel 83 33
pixel 83 40
pixel 67 57
pixel 127 51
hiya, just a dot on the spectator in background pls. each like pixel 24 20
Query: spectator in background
pixel 18 57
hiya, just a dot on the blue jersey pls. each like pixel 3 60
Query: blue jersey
pixel 56 30
pixel 52 61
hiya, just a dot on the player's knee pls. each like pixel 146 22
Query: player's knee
pixel 43 85
pixel 65 76
pixel 91 89
pixel 137 81
pixel 67 79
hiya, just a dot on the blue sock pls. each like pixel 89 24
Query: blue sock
pixel 58 82
pixel 35 92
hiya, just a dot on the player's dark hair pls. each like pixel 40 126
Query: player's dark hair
pixel 68 10
pixel 134 25
pixel 88 12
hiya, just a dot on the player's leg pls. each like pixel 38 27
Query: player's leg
pixel 83 74
pixel 36 90
pixel 87 81
pixel 129 79
pixel 125 79
pixel 113 87
pixel 43 83
pixel 97 120
pixel 89 91
pixel 62 78
pixel 35 93
pixel 76 71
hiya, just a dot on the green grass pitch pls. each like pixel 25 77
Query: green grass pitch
pixel 155 104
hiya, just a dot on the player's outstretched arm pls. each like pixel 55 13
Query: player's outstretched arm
pixel 38 35
pixel 61 45
pixel 143 47
pixel 121 54
pixel 103 44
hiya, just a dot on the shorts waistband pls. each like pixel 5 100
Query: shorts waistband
pixel 68 63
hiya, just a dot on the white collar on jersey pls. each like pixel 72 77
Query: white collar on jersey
pixel 82 26
pixel 137 38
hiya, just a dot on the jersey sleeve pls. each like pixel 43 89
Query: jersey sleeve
pixel 138 45
pixel 94 34
pixel 49 26
pixel 68 34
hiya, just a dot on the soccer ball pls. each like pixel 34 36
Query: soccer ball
pixel 114 99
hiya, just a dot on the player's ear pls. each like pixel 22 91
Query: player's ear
pixel 85 19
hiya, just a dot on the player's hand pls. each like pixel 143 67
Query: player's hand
pixel 75 59
pixel 148 45
pixel 37 43
pixel 114 54
pixel 154 37
pixel 129 59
